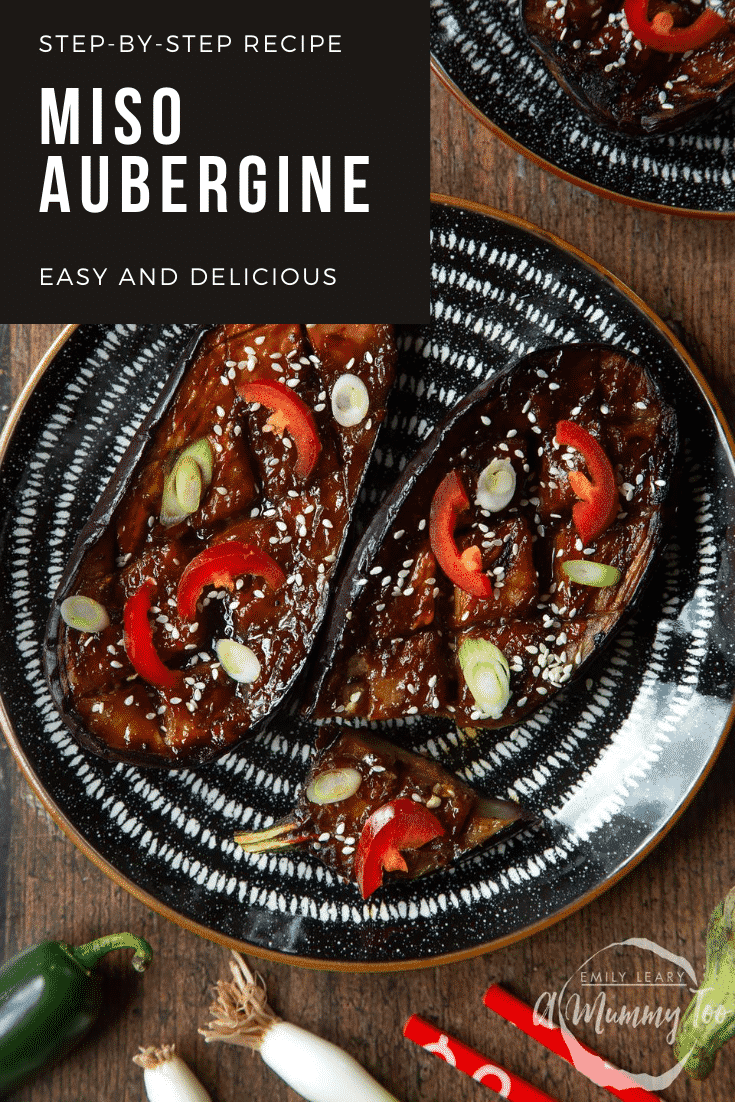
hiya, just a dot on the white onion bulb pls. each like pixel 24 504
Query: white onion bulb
pixel 167 1078
pixel 350 400
pixel 316 1069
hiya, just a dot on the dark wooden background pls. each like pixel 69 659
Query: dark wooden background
pixel 684 269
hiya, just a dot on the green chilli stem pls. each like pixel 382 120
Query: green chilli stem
pixel 88 955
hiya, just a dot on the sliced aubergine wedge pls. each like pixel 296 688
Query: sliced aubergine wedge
pixel 510 549
pixel 196 589
pixel 632 86
pixel 374 812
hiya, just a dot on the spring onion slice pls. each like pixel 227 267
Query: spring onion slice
pixel 316 1069
pixel 350 400
pixel 333 786
pixel 496 485
pixel 487 674
pixel 84 614
pixel 167 1078
pixel 171 511
pixel 238 661
pixel 186 482
pixel 188 485
pixel 201 452
pixel 586 572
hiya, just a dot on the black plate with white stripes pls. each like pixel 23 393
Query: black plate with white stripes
pixel 607 765
pixel 481 50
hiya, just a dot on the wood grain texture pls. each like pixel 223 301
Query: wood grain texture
pixel 684 270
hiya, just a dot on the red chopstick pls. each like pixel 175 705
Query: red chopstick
pixel 472 1063
pixel 584 1059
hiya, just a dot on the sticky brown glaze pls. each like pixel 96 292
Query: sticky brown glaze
pixel 397 621
pixel 623 84
pixel 254 496
pixel 332 831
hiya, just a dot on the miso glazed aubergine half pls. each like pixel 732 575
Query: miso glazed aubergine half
pixel 369 810
pixel 195 591
pixel 639 67
pixel 507 553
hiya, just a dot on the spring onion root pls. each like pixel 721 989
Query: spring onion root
pixel 167 1078
pixel 316 1069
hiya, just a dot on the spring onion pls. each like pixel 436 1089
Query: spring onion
pixel 487 674
pixel 238 661
pixel 186 482
pixel 84 614
pixel 316 1069
pixel 167 1078
pixel 187 478
pixel 171 508
pixel 350 400
pixel 496 485
pixel 333 786
pixel 201 452
pixel 586 572
pixel 709 1020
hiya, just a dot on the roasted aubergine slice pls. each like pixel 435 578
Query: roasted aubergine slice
pixel 641 83
pixel 369 809
pixel 496 568
pixel 196 589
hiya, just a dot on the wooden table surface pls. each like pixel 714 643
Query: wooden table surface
pixel 684 269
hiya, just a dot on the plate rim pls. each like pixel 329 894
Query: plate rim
pixel 413 963
pixel 596 189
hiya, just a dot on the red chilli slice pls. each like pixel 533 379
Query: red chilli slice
pixel 138 636
pixel 598 504
pixel 289 412
pixel 400 824
pixel 465 569
pixel 220 566
pixel 661 34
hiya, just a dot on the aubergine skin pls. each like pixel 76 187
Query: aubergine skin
pixel 331 831
pixel 397 622
pixel 626 86
pixel 255 496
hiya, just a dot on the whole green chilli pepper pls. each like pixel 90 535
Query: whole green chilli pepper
pixel 49 998
pixel 709 1020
